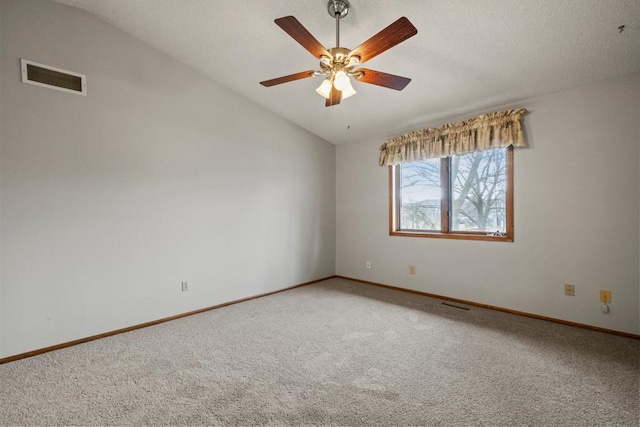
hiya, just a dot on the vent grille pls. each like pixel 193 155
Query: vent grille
pixel 53 78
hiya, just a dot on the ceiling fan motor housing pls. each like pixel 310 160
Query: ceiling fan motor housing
pixel 340 61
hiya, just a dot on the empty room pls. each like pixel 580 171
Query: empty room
pixel 312 212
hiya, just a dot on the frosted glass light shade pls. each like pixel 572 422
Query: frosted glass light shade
pixel 341 80
pixel 348 91
pixel 324 89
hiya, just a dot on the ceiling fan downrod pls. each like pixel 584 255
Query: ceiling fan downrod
pixel 338 9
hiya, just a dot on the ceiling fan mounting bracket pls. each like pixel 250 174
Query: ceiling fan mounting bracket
pixel 338 8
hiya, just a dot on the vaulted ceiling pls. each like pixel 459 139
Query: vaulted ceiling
pixel 468 55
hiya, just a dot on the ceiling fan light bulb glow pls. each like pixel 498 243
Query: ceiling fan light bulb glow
pixel 341 81
pixel 348 91
pixel 324 89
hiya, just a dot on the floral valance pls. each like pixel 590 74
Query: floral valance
pixel 486 132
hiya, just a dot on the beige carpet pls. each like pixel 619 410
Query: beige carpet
pixel 334 353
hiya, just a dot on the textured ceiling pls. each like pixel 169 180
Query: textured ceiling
pixel 468 55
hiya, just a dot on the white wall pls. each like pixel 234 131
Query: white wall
pixel 576 216
pixel 159 175
pixel 0 182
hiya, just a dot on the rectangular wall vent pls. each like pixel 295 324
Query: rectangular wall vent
pixel 53 78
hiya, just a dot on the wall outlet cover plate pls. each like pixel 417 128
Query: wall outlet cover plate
pixel 569 289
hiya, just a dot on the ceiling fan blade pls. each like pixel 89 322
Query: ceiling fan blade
pixel 334 97
pixel 383 79
pixel 294 28
pixel 394 34
pixel 289 78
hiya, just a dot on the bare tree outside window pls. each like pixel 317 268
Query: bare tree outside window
pixel 420 207
pixel 475 192
pixel 479 196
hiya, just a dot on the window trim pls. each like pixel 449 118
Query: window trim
pixel 394 208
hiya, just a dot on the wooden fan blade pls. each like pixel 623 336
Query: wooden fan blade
pixel 334 97
pixel 289 78
pixel 383 79
pixel 294 28
pixel 394 34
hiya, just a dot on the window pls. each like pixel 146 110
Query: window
pixel 435 191
pixel 460 197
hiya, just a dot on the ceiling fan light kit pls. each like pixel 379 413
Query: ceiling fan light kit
pixel 338 64
pixel 324 89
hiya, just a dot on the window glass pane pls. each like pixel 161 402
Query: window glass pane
pixel 420 195
pixel 479 193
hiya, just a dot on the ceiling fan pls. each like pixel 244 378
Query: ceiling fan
pixel 338 63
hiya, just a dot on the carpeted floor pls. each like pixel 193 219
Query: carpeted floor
pixel 334 353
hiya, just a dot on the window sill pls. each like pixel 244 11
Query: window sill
pixel 458 236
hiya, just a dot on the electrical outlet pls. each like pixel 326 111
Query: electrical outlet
pixel 185 286
pixel 368 264
pixel 412 269
pixel 605 296
pixel 569 289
